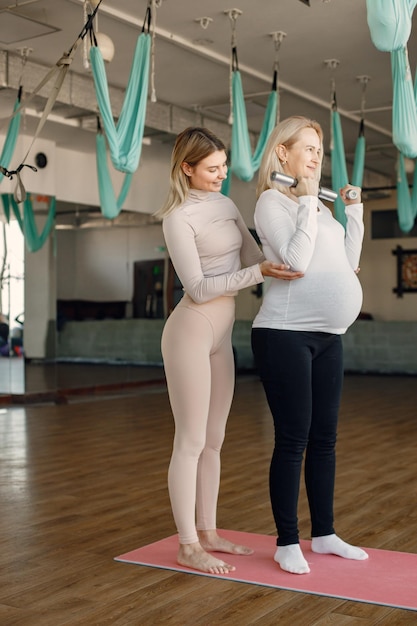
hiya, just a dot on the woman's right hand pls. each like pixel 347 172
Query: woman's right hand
pixel 281 271
pixel 305 187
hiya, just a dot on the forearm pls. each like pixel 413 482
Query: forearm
pixel 354 234
pixel 204 288
pixel 292 239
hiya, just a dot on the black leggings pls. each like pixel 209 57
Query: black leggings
pixel 302 374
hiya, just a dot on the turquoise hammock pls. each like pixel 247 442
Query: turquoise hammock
pixel 34 241
pixel 27 223
pixel 11 137
pixel 404 109
pixel 406 202
pixel 110 206
pixel 244 164
pixel 390 24
pixel 125 137
pixel 340 176
pixel 58 72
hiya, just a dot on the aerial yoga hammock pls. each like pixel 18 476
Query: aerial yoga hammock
pixel 125 137
pixel 27 223
pixel 390 23
pixel 340 176
pixel 244 164
pixel 11 137
pixel 406 201
pixel 14 124
pixel 110 205
pixel 59 71
pixel 33 239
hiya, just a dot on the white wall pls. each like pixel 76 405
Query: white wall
pixel 40 300
pixel 378 273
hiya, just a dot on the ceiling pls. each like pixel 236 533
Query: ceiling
pixel 314 42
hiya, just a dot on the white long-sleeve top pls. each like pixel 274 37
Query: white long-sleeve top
pixel 307 237
pixel 208 240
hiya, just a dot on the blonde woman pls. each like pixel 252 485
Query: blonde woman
pixel 207 241
pixel 296 336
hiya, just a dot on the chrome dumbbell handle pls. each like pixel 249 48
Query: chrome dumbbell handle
pixel 324 193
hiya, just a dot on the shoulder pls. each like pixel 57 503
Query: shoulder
pixel 200 209
pixel 272 198
pixel 174 216
pixel 177 220
pixel 273 195
pixel 196 203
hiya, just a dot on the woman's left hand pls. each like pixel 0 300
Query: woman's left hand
pixel 343 191
pixel 281 271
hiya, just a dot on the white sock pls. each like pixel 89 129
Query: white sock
pixel 291 559
pixel 332 544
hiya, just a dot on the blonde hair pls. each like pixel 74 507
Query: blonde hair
pixel 191 146
pixel 286 133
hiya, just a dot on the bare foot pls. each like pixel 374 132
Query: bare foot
pixel 193 555
pixel 211 541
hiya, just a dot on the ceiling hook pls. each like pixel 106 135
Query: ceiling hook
pixel 364 79
pixel 24 52
pixel 278 36
pixel 332 64
pixel 204 21
pixel 233 13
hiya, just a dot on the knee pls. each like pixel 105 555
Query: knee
pixel 214 441
pixel 322 445
pixel 187 446
pixel 291 447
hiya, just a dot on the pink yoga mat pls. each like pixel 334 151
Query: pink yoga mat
pixel 386 578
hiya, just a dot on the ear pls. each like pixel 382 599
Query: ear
pixel 187 169
pixel 281 152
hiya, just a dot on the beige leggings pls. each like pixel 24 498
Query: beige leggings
pixel 199 368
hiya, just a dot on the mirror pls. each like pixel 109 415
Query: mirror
pixel 12 371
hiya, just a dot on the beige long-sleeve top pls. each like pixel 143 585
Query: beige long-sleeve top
pixel 208 242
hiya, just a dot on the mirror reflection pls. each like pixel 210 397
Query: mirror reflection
pixel 11 308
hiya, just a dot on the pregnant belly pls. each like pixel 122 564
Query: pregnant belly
pixel 335 301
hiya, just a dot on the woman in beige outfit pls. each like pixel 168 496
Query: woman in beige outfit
pixel 207 241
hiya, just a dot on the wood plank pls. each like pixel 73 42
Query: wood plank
pixel 83 482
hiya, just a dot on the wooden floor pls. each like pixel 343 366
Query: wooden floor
pixel 83 482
